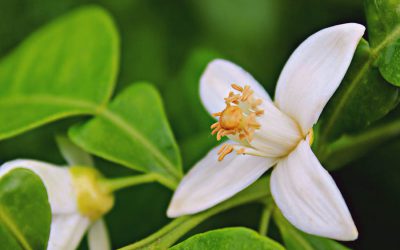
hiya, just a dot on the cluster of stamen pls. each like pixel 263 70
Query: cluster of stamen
pixel 238 118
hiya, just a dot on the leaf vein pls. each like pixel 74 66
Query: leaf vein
pixel 13 229
pixel 132 131
pixel 357 80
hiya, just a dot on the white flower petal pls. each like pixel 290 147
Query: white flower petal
pixel 215 84
pixel 74 155
pixel 57 181
pixel 315 70
pixel 308 196
pixel 98 238
pixel 211 181
pixel 278 133
pixel 67 231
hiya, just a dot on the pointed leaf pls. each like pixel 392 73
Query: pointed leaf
pixel 362 98
pixel 133 131
pixel 229 239
pixel 383 20
pixel 66 68
pixel 22 194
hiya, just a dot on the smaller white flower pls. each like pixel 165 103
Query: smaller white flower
pixel 265 134
pixel 77 204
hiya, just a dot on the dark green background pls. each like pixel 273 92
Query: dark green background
pixel 168 43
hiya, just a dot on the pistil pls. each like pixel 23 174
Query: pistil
pixel 238 118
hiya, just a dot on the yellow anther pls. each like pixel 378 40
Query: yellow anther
pixel 240 151
pixel 238 118
pixel 214 125
pixel 224 151
pixel 259 112
pixel 237 87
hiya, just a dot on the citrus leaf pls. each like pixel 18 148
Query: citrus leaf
pixel 133 131
pixel 22 194
pixel 383 20
pixel 66 68
pixel 362 98
pixel 229 239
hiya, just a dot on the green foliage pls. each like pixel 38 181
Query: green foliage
pixel 351 147
pixel 138 138
pixel 229 239
pixel 365 95
pixel 383 20
pixel 66 68
pixel 362 98
pixel 69 68
pixel 294 239
pixel 189 108
pixel 172 232
pixel 22 195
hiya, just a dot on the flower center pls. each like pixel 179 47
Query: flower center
pixel 238 118
pixel 231 118
pixel 93 199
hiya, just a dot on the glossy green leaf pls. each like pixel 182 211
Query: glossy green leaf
pixel 363 97
pixel 383 18
pixel 133 131
pixel 229 239
pixel 66 68
pixel 294 239
pixel 22 194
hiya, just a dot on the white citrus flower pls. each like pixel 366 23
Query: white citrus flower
pixel 265 134
pixel 77 204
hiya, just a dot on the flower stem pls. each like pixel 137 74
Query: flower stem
pixel 169 234
pixel 265 217
pixel 119 183
pixel 350 147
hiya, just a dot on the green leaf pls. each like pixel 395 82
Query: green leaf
pixel 133 131
pixel 66 68
pixel 294 239
pixel 363 97
pixel 383 20
pixel 230 239
pixel 22 194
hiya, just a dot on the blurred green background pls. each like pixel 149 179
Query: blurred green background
pixel 168 43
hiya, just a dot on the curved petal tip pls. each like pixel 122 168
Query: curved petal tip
pixel 308 197
pixel 216 80
pixel 315 70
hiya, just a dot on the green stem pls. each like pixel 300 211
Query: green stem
pixel 119 183
pixel 265 217
pixel 172 232
pixel 378 133
pixel 354 146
